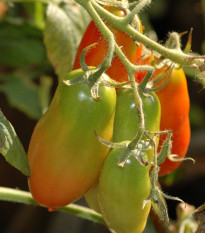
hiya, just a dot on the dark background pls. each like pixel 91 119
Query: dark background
pixel 187 183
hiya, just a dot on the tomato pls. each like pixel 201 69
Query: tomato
pixel 95 55
pixel 64 154
pixel 126 119
pixel 175 103
pixel 126 125
pixel 121 193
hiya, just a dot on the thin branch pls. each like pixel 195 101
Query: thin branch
pixel 172 54
pixel 19 196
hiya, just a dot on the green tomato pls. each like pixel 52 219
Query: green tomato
pixel 126 120
pixel 121 193
pixel 64 154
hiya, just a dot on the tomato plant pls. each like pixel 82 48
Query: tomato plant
pixel 174 99
pixel 96 54
pixel 64 154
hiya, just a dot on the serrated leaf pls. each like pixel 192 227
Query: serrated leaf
pixel 11 147
pixel 22 94
pixel 64 28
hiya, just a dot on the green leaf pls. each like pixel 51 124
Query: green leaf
pixel 22 94
pixel 11 147
pixel 64 28
pixel 18 48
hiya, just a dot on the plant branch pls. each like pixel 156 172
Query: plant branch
pixel 128 19
pixel 19 196
pixel 173 54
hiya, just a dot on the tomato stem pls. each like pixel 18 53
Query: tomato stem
pixel 19 196
pixel 175 55
pixel 140 112
pixel 128 19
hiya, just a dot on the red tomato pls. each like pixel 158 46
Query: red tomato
pixel 95 55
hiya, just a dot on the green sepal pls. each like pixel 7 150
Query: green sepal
pixel 165 149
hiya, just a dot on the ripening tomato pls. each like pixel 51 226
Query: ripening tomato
pixel 96 55
pixel 175 103
pixel 64 154
pixel 174 99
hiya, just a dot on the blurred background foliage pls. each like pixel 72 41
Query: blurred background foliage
pixel 37 47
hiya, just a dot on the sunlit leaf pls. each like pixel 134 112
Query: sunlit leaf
pixel 64 28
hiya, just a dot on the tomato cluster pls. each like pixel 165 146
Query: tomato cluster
pixel 68 161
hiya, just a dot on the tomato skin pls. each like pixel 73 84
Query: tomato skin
pixel 96 55
pixel 121 194
pixel 175 103
pixel 176 111
pixel 175 117
pixel 126 120
pixel 64 154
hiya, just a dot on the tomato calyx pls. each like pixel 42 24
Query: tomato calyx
pixel 165 151
pixel 90 78
pixel 138 152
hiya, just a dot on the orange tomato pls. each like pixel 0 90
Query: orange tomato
pixel 95 55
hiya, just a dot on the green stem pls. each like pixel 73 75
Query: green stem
pixel 19 196
pixel 126 20
pixel 117 22
pixel 135 88
pixel 140 112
